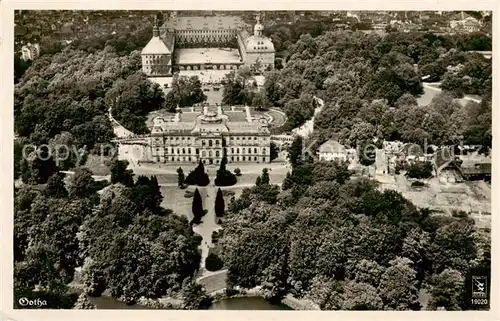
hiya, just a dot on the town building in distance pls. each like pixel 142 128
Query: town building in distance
pixel 209 135
pixel 30 52
pixel 206 43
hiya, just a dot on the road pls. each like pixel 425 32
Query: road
pixel 209 221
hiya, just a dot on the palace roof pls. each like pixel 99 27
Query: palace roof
pixel 206 22
pixel 155 46
pixel 258 44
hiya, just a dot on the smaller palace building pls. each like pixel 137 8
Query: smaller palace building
pixel 210 135
pixel 210 42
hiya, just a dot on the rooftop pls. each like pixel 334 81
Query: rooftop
pixel 206 22
pixel 234 122
pixel 477 169
pixel 155 46
pixel 331 146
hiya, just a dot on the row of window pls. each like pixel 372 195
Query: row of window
pixel 259 48
pixel 210 142
pixel 217 153
pixel 249 151
pixel 157 59
pixel 243 158
pixel 153 57
pixel 179 150
pixel 206 31
pixel 189 159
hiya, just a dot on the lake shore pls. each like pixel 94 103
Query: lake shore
pixel 289 300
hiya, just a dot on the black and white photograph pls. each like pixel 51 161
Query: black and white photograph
pixel 252 160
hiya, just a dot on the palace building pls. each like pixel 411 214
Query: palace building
pixel 210 42
pixel 189 137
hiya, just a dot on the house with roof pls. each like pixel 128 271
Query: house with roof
pixel 332 150
pixel 30 52
pixel 463 22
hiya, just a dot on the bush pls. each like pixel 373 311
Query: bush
pixel 188 194
pixel 213 263
pixel 417 184
pixel 225 177
pixel 215 236
pixel 198 176
pixel 237 171
pixel 228 193
pixel 459 214
pixel 420 170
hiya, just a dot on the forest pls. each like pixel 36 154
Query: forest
pixel 124 242
pixel 370 83
pixel 343 244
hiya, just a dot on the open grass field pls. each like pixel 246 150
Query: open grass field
pixel 173 197
pixel 98 165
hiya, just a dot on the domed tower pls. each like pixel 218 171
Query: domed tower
pixel 258 28
pixel 259 50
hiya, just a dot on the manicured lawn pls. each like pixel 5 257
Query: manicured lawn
pixel 98 165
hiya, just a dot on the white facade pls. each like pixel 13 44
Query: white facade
pixel 332 150
pixel 208 139
pixel 30 52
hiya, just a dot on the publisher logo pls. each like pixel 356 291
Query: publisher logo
pixel 479 286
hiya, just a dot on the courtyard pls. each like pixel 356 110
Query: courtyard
pixel 216 56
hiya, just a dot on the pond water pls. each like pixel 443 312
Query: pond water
pixel 247 303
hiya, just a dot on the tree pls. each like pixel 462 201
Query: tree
pixel 146 194
pixel 83 303
pixel 55 186
pixel 361 296
pixel 219 204
pixel 447 290
pixel 37 167
pixel 82 184
pixel 198 176
pixel 120 173
pixel 197 207
pixel 366 271
pixel 420 170
pixel 295 151
pixel 398 286
pixel 194 296
pixel 224 177
pixel 274 151
pixel 93 278
pixel 213 262
pixel 185 92
pixel 265 176
pixel 454 246
pixel 132 99
pixel 237 171
pixel 180 178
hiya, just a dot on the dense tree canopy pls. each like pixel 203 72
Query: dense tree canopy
pixel 341 242
pixel 184 92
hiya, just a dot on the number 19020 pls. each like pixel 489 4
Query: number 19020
pixel 479 301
